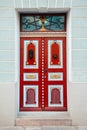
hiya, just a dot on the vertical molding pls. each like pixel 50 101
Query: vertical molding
pixel 70 66
pixel 69 46
pixel 17 47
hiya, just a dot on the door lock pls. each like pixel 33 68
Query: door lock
pixel 44 77
pixel 46 70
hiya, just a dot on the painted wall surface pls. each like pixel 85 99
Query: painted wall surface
pixel 76 54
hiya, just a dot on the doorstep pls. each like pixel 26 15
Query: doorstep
pixel 44 119
pixel 46 128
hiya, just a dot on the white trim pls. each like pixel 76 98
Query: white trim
pixel 69 47
pixel 44 34
pixel 45 115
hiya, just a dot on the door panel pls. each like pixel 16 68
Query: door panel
pixel 43 74
pixel 30 76
pixel 55 81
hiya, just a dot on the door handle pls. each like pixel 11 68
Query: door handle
pixel 31 54
pixel 44 77
pixel 46 70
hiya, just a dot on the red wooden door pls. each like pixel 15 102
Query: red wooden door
pixel 43 74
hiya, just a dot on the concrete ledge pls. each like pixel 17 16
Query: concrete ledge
pixel 59 128
pixel 82 127
pixel 11 128
pixel 33 128
pixel 46 128
pixel 43 122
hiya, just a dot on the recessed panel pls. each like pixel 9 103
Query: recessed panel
pixel 31 54
pixel 55 55
pixel 30 76
pixel 30 95
pixel 55 95
pixel 55 76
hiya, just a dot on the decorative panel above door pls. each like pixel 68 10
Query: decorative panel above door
pixel 43 22
pixel 43 74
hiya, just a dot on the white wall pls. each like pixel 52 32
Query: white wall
pixel 78 89
pixel 7 104
pixel 76 55
pixel 7 63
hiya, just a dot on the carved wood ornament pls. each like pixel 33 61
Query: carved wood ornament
pixel 55 96
pixel 30 96
pixel 55 54
pixel 30 54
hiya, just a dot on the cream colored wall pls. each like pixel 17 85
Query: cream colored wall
pixel 76 55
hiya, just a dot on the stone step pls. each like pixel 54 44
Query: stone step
pixel 46 128
pixel 43 122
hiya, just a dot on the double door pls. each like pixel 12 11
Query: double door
pixel 43 74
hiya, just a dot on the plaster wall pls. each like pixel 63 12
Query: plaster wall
pixel 76 55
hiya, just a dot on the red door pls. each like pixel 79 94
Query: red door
pixel 43 74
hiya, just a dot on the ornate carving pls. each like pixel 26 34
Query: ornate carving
pixel 46 34
pixel 30 96
pixel 30 76
pixel 30 54
pixel 55 54
pixel 55 76
pixel 55 96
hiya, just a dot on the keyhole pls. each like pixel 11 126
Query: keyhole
pixel 31 54
pixel 55 56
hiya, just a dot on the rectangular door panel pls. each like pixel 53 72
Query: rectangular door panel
pixel 30 76
pixel 55 73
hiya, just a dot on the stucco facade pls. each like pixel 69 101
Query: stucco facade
pixel 76 57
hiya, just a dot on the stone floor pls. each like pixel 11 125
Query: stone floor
pixel 46 128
